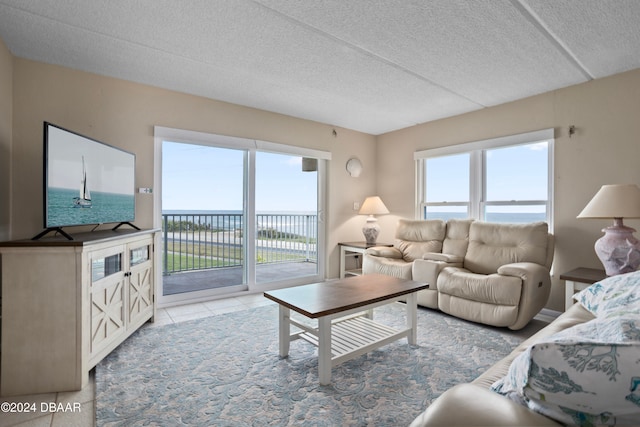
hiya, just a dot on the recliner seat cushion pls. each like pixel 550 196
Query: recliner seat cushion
pixel 492 245
pixel 491 288
pixel 476 311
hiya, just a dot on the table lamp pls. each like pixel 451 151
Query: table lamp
pixel 618 249
pixel 372 206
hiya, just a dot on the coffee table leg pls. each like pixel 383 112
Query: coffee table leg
pixel 284 330
pixel 324 350
pixel 412 317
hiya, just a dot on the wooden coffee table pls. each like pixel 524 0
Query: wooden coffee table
pixel 344 309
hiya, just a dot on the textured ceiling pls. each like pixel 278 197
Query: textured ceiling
pixel 368 65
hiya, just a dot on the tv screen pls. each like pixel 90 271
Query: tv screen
pixel 85 181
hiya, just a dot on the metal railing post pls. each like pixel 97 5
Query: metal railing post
pixel 166 241
pixel 308 235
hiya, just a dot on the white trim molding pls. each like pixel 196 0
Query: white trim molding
pixel 521 138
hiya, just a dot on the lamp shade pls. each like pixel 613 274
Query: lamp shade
pixel 614 201
pixel 373 206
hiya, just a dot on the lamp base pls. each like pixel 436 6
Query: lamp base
pixel 618 249
pixel 371 230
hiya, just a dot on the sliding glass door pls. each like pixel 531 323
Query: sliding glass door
pixel 236 218
pixel 286 217
pixel 203 218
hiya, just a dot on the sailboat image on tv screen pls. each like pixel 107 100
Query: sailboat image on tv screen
pixel 84 199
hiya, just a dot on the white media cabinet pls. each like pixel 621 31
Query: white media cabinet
pixel 66 304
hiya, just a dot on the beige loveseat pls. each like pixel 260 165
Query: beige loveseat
pixel 496 274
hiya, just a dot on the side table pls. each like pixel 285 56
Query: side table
pixel 578 279
pixel 353 250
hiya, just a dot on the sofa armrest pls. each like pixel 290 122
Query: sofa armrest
pixel 536 286
pixel 470 405
pixel 385 252
pixel 427 270
pixel 435 256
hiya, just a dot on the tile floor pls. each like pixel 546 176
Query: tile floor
pixel 80 404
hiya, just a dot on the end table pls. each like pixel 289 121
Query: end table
pixel 353 250
pixel 579 279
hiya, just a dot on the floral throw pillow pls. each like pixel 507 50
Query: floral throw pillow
pixel 614 296
pixel 585 375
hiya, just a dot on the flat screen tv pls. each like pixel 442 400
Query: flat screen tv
pixel 86 182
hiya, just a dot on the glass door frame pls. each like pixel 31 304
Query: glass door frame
pixel 251 147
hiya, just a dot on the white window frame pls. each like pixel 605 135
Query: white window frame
pixel 477 171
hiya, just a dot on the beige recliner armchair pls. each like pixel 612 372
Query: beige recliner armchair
pixel 505 276
pixel 496 274
pixel 413 240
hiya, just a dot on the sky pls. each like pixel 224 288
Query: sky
pixel 513 173
pixel 197 177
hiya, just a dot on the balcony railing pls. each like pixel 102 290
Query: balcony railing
pixel 198 241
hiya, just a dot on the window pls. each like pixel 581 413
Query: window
pixel 505 179
pixel 517 187
pixel 447 194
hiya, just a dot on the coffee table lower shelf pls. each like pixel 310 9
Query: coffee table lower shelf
pixel 352 336
pixel 346 335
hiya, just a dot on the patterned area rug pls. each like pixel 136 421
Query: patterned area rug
pixel 225 371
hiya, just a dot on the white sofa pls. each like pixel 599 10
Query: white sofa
pixel 474 404
pixel 491 273
pixel 581 369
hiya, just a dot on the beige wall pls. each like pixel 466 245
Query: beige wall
pixel 123 114
pixel 605 150
pixel 6 100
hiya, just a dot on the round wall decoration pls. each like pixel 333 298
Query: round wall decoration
pixel 354 167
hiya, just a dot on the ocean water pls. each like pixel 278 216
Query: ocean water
pixel 106 208
pixel 291 222
pixel 294 222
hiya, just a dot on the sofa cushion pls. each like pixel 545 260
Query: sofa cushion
pixel 384 251
pixel 586 375
pixel 491 288
pixel 614 296
pixel 415 238
pixel 576 314
pixel 456 240
pixel 492 245
pixel 389 266
pixel 469 405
